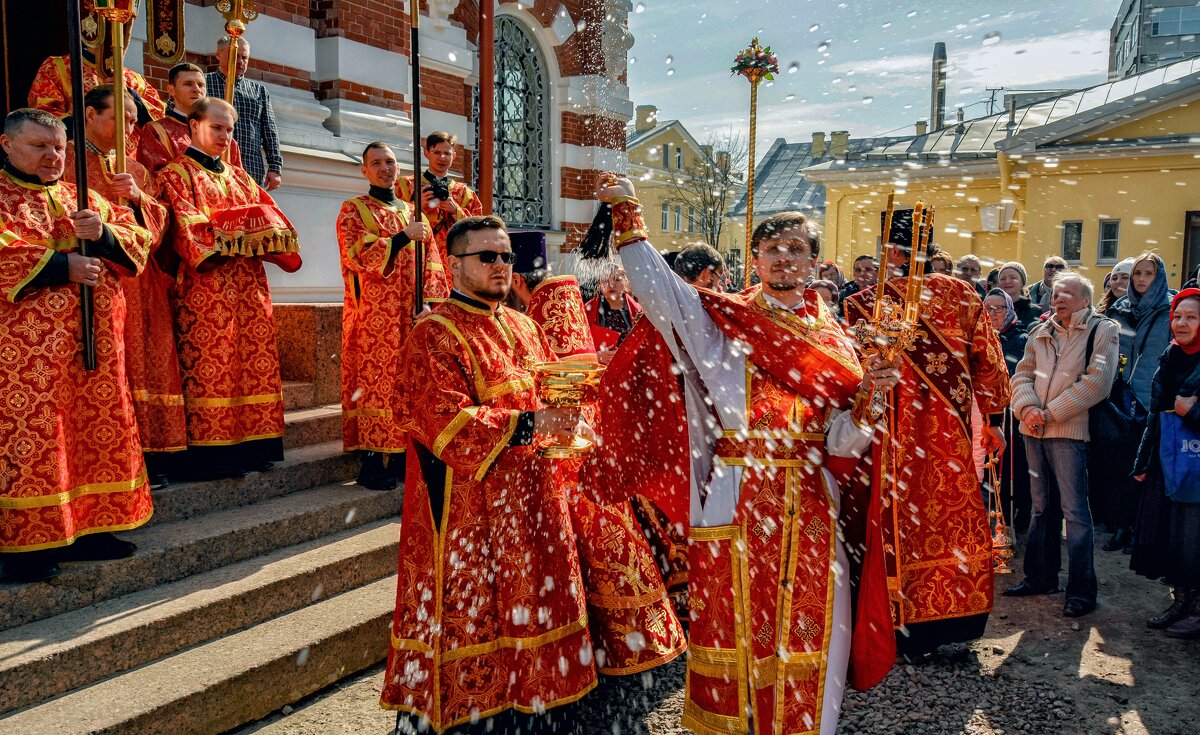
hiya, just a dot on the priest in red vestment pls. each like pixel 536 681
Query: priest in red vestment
pixel 490 623
pixel 633 621
pixel 225 227
pixel 376 236
pixel 936 526
pixel 165 139
pixel 445 201
pixel 769 384
pixel 71 469
pixel 151 362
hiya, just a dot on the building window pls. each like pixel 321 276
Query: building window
pixel 678 157
pixel 522 103
pixel 666 155
pixel 679 218
pixel 666 217
pixel 691 219
pixel 1072 241
pixel 1174 21
pixel 1110 241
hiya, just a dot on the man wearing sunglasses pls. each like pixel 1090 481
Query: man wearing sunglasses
pixel 1040 292
pixel 490 583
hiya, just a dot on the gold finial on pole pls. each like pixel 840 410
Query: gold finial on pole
pixel 117 13
pixel 237 14
pixel 755 63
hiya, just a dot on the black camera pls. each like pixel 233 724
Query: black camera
pixel 439 187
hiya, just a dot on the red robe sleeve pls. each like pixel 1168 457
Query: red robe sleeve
pixel 437 407
pixel 193 236
pixel 20 261
pixel 134 240
pixel 366 246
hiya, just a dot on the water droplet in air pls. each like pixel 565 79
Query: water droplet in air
pixel 632 59
pixel 991 38
pixel 670 59
pixel 793 67
pixel 453 56
pixel 789 98
pixel 911 14
pixel 888 24
pixel 824 45
pixel 670 72
pixel 640 8
pixel 814 27
pixel 868 100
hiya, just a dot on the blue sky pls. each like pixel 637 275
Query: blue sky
pixel 855 65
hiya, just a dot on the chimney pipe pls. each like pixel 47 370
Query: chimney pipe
pixel 1010 127
pixel 818 145
pixel 839 143
pixel 937 102
pixel 922 127
pixel 647 118
pixel 959 115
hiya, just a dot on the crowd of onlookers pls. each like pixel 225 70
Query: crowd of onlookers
pixel 1103 431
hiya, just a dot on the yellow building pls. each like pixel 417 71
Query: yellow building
pixel 1095 176
pixel 677 214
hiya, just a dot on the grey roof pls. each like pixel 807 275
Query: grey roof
pixel 1040 123
pixel 779 182
pixel 633 137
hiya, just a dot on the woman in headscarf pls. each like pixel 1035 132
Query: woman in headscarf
pixel 1116 285
pixel 1013 280
pixel 1170 512
pixel 1144 317
pixel 831 271
pixel 1014 467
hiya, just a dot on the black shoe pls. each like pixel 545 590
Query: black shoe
pixel 260 466
pixel 159 481
pixel 383 482
pixel 1173 614
pixel 1127 550
pixel 99 547
pixel 1119 540
pixel 1028 589
pixel 1077 608
pixel 32 566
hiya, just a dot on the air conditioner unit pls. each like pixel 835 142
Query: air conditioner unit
pixel 996 217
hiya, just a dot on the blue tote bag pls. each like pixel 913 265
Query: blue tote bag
pixel 1179 450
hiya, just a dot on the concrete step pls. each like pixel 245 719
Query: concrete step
pixel 297 395
pixel 302 468
pixel 172 551
pixel 78 648
pixel 308 426
pixel 229 681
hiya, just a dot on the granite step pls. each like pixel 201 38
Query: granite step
pixel 48 657
pixel 302 468
pixel 229 681
pixel 298 395
pixel 308 426
pixel 169 552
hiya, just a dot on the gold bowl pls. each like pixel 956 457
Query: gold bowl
pixel 566 384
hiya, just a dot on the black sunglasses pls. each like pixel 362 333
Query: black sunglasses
pixel 488 257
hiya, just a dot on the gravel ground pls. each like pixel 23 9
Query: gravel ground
pixel 1034 673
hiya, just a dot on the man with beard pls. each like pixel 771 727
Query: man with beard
pixel 490 615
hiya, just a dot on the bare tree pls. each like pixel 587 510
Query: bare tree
pixel 712 182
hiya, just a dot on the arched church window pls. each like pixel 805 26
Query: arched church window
pixel 522 114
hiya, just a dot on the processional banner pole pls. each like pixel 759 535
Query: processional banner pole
pixel 237 14
pixel 86 295
pixel 756 63
pixel 418 209
pixel 117 13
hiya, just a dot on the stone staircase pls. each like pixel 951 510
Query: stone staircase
pixel 244 596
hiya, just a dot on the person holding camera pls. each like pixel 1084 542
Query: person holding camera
pixel 443 201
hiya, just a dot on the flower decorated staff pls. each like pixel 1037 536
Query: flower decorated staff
pixel 756 63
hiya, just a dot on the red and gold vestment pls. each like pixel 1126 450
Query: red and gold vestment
pixel 151 360
pixel 70 462
pixel 935 524
pixel 490 612
pixel 226 331
pixel 632 619
pixel 466 204
pixel 377 317
pixel 51 88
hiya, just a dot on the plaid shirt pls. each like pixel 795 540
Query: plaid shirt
pixel 255 130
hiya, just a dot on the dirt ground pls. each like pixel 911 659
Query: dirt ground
pixel 1103 674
